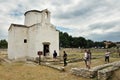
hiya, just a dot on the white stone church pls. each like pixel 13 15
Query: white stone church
pixel 37 34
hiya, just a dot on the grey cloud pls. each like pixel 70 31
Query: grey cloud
pixel 18 11
pixel 1 1
pixel 61 2
pixel 85 11
pixel 83 15
pixel 82 12
pixel 103 25
pixel 114 36
pixel 82 9
pixel 3 34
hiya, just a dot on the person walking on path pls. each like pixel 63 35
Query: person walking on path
pixel 65 58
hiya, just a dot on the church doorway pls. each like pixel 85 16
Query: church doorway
pixel 46 50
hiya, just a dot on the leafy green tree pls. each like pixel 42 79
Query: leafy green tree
pixel 90 44
pixel 82 42
pixel 67 41
pixel 64 40
pixel 3 44
pixel 99 44
pixel 75 42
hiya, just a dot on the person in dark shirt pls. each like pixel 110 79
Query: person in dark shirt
pixel 55 55
pixel 65 58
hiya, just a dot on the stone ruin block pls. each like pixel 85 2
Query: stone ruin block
pixel 82 72
pixel 106 73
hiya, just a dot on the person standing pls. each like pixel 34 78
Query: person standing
pixel 107 55
pixel 55 55
pixel 89 55
pixel 87 59
pixel 65 58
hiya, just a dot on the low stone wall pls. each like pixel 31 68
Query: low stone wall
pixel 102 72
pixel 82 72
pixel 106 73
pixel 53 66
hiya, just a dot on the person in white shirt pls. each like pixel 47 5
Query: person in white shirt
pixel 87 59
pixel 107 55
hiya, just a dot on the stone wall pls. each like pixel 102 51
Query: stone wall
pixel 60 68
pixel 106 73
pixel 102 72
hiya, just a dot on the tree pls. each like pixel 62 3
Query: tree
pixel 67 41
pixel 99 44
pixel 82 42
pixel 3 44
pixel 90 44
pixel 64 40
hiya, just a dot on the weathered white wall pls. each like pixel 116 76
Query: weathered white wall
pixel 37 29
pixel 11 43
pixel 45 33
pixel 32 18
pixel 32 40
pixel 17 48
pixel 46 17
pixel 40 33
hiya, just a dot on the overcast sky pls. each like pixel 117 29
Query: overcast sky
pixel 97 20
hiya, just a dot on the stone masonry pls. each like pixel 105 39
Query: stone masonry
pixel 102 72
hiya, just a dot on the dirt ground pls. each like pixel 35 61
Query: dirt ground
pixel 25 71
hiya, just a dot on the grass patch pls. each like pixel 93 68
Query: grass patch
pixel 20 71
